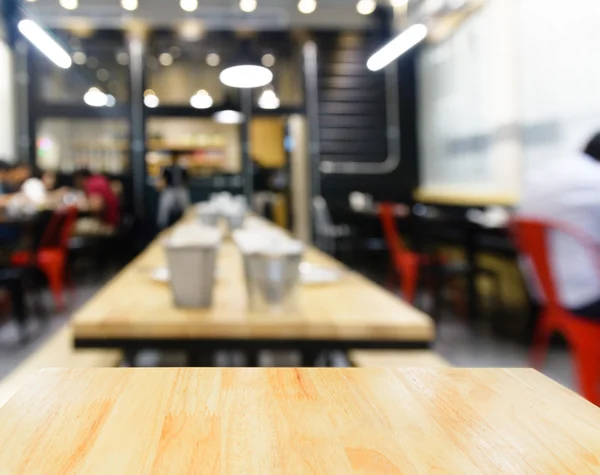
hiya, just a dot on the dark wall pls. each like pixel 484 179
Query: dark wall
pixel 352 114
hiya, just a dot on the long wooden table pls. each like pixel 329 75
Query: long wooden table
pixel 134 312
pixel 283 421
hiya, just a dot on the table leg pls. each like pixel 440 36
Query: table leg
pixel 200 359
pixel 471 256
pixel 309 357
pixel 252 358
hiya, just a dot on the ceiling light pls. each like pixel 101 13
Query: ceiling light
pixel 246 76
pixel 129 5
pixel 213 59
pixel 166 59
pixel 151 99
pixel 45 43
pixel 79 57
pixel 398 46
pixel 307 6
pixel 102 74
pixel 366 7
pixel 95 97
pixel 248 6
pixel 69 4
pixel 268 100
pixel 229 116
pixel 201 100
pixel 188 5
pixel 122 58
pixel 268 60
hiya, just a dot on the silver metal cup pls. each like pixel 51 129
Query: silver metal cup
pixel 192 269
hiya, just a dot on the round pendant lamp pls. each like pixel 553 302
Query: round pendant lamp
pixel 246 70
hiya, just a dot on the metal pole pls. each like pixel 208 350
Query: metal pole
pixel 138 123
pixel 247 163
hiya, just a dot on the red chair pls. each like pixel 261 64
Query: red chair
pixel 407 263
pixel 51 254
pixel 583 336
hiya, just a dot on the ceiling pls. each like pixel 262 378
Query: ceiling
pixel 214 14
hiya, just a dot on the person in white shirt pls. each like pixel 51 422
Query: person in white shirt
pixel 567 191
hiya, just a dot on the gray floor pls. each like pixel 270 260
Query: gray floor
pixel 455 342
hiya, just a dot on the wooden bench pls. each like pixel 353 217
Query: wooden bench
pixel 397 359
pixel 57 352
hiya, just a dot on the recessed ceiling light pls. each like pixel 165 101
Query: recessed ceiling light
pixel 307 6
pixel 166 59
pixel 229 116
pixel 366 7
pixel 102 74
pixel 248 5
pixel 69 4
pixel 129 5
pixel 188 5
pixel 268 100
pixel 268 60
pixel 79 57
pixel 213 59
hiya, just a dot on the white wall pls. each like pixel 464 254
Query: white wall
pixel 517 85
pixel 7 106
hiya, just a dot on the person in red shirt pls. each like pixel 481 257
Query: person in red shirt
pixel 102 201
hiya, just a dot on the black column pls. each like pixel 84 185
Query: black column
pixel 247 163
pixel 136 46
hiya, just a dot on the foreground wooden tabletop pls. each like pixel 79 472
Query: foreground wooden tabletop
pixel 330 421
pixel 133 306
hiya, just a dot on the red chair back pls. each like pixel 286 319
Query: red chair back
pixel 59 229
pixel 390 231
pixel 531 237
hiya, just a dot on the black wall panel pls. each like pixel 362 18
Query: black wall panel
pixel 352 115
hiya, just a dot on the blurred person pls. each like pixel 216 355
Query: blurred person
pixel 173 186
pixel 102 202
pixel 49 180
pixel 568 191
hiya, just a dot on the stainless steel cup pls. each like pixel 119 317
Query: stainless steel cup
pixel 192 269
pixel 272 281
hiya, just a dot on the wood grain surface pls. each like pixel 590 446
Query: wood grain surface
pixel 297 421
pixel 132 305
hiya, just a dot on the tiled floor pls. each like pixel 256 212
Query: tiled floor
pixel 456 343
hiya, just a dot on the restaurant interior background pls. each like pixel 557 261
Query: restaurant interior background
pixel 449 130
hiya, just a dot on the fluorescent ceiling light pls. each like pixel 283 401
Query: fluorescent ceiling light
pixel 69 4
pixel 248 6
pixel 201 100
pixel 397 47
pixel 45 43
pixel 246 76
pixel 188 5
pixel 129 5
pixel 95 98
pixel 307 6
pixel 229 116
pixel 268 100
pixel 366 7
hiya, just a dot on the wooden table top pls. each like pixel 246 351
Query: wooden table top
pixel 134 306
pixel 330 421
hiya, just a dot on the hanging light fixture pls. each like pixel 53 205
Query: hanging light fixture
pixel 248 6
pixel 246 71
pixel 95 97
pixel 268 99
pixel 201 100
pixel 69 4
pixel 188 5
pixel 366 7
pixel 129 5
pixel 397 47
pixel 307 6
pixel 45 43
pixel 229 113
pixel 151 99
